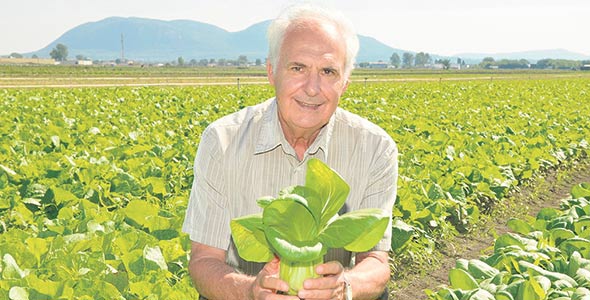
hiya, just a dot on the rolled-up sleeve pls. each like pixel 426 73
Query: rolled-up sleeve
pixel 207 217
pixel 382 188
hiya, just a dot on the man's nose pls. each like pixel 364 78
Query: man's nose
pixel 312 84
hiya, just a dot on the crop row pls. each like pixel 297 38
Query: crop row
pixel 544 258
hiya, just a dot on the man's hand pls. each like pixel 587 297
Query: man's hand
pixel 329 286
pixel 267 283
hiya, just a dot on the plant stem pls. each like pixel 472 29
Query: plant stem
pixel 294 273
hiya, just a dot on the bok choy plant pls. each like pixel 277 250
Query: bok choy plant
pixel 302 223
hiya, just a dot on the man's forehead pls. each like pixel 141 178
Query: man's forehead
pixel 314 39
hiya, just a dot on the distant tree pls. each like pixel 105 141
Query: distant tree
pixel 16 55
pixel 59 53
pixel 422 59
pixel 212 61
pixel 487 62
pixel 394 60
pixel 34 56
pixel 203 62
pixel 221 62
pixel 180 61
pixel 258 62
pixel 80 57
pixel 407 59
pixel 563 64
pixel 242 60
pixel 446 63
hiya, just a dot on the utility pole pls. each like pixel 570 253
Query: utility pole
pixel 122 49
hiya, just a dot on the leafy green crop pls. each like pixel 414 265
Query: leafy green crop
pixel 302 223
pixel 93 181
pixel 547 258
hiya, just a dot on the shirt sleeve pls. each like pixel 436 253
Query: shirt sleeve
pixel 207 218
pixel 382 189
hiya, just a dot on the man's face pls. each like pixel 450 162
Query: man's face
pixel 309 77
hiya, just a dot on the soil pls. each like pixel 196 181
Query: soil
pixel 547 191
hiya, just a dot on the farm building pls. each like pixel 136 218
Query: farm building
pixel 84 62
pixel 378 65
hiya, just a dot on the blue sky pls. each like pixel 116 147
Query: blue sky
pixel 439 27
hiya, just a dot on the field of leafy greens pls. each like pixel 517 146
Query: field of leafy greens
pixel 94 181
pixel 544 258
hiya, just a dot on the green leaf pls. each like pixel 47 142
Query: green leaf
pixel 364 227
pixel 503 295
pixel 527 291
pixel 11 269
pixel 141 211
pixel 134 262
pixel 18 293
pixel 37 246
pixel 264 201
pixel 519 226
pixel 581 190
pixel 296 241
pixel 248 236
pixel 548 213
pixel 576 244
pixel 357 231
pixel 154 254
pixel 59 196
pixel 559 235
pixel 581 293
pixel 295 251
pixel 511 239
pixel 402 234
pixel 460 279
pixel 480 294
pixel 11 173
pixel 312 200
pixel 156 185
pixel 44 287
pixel 537 287
pixel 280 215
pixel 330 187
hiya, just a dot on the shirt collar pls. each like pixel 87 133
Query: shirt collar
pixel 271 135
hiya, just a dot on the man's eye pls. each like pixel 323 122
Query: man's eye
pixel 297 68
pixel 329 72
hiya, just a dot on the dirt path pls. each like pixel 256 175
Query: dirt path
pixel 545 192
pixel 86 82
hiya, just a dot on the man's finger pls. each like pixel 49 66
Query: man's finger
pixel 274 284
pixel 329 268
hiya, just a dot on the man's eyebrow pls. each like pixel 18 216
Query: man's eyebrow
pixel 299 64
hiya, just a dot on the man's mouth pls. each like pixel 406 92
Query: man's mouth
pixel 308 105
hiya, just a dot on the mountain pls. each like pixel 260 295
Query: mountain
pixel 157 40
pixel 531 56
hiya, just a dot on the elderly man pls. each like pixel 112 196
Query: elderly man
pixel 261 149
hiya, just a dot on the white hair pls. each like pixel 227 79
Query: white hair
pixel 304 12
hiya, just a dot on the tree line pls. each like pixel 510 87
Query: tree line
pixel 548 63
pixel 407 60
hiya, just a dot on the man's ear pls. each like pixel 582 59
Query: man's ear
pixel 269 72
pixel 346 83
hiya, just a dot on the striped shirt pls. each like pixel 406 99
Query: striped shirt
pixel 244 156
